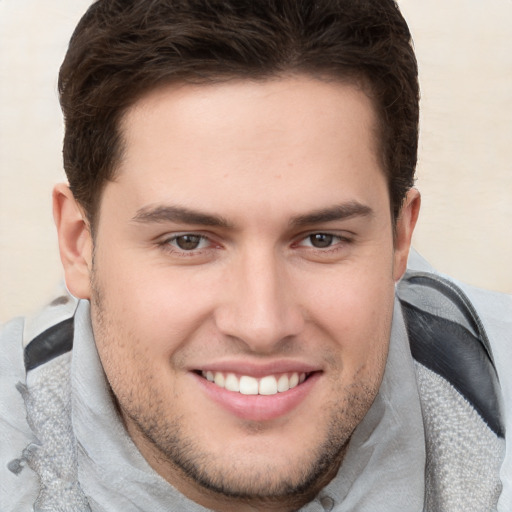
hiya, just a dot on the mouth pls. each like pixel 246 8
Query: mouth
pixel 258 392
pixel 267 385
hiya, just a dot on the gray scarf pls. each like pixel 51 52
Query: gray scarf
pixel 383 469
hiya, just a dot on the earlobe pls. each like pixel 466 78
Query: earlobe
pixel 405 225
pixel 75 242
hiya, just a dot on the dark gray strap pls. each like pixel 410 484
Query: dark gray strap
pixel 53 342
pixel 451 342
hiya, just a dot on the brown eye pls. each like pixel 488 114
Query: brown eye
pixel 188 242
pixel 321 240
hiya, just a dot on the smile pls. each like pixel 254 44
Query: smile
pixel 255 393
pixel 247 385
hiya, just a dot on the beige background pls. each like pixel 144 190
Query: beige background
pixel 464 49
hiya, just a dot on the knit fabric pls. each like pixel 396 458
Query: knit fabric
pixel 463 455
pixel 64 448
pixel 47 398
pixel 459 445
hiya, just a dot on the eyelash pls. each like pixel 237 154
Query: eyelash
pixel 336 239
pixel 168 246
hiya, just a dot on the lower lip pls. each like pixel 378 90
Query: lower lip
pixel 259 407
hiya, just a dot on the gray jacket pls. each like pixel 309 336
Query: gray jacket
pixel 433 440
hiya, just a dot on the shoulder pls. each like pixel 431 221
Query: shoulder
pixel 447 335
pixel 26 344
pixel 465 317
pixel 461 340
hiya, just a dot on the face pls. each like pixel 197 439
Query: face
pixel 242 284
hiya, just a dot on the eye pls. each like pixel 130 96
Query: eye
pixel 320 240
pixel 188 242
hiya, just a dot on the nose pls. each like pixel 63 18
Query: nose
pixel 260 308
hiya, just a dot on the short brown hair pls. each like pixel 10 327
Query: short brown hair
pixel 122 49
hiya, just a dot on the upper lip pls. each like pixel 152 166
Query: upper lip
pixel 258 369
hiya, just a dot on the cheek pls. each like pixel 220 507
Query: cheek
pixel 352 299
pixel 156 304
pixel 355 311
pixel 135 354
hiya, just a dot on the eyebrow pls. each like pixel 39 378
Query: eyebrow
pixel 178 214
pixel 339 212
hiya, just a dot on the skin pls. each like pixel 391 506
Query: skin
pixel 265 162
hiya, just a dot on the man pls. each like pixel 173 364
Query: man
pixel 240 208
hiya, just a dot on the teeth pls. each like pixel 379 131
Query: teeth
pixel 283 384
pixel 294 380
pixel 219 379
pixel 246 385
pixel 231 383
pixel 268 385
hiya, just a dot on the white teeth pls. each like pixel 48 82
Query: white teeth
pixel 231 383
pixel 268 385
pixel 246 385
pixel 219 379
pixel 283 384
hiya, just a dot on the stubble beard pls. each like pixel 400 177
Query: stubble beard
pixel 298 481
pixel 294 483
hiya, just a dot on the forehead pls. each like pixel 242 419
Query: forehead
pixel 256 140
pixel 280 102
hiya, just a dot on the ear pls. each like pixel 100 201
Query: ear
pixel 403 232
pixel 75 241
